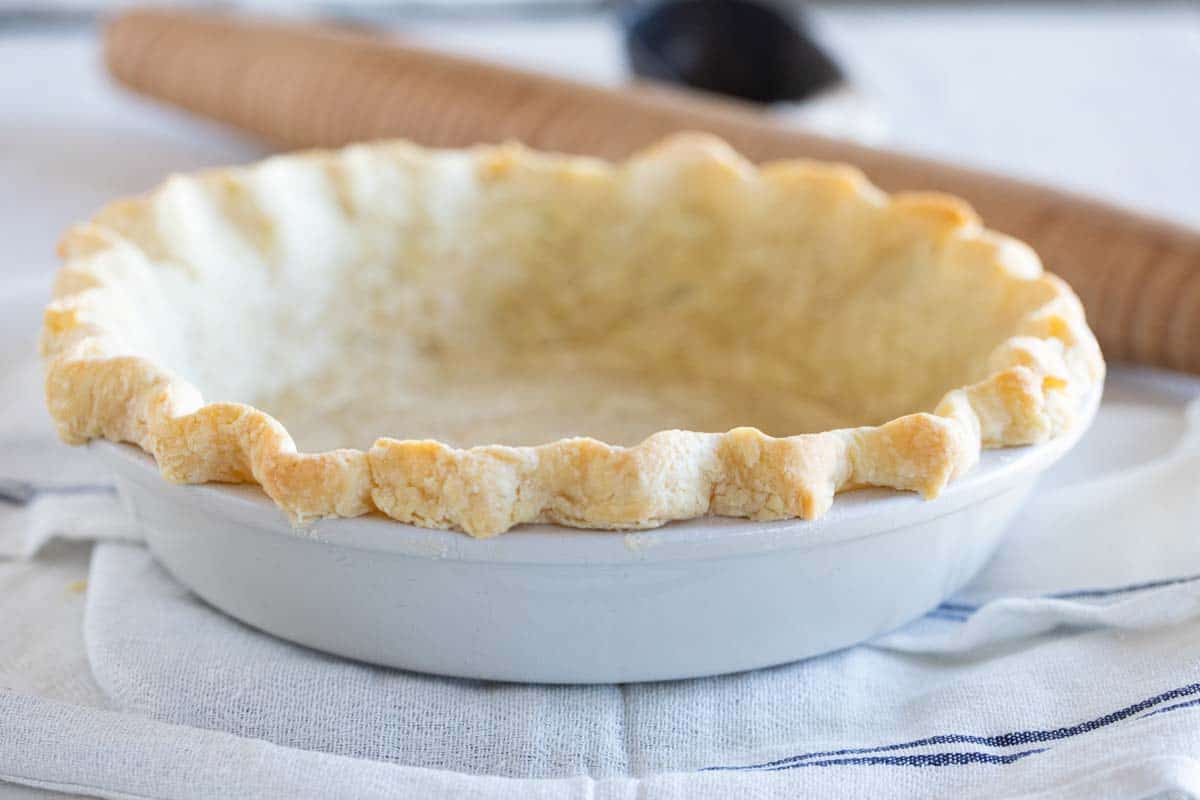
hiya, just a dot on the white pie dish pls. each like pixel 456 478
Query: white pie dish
pixel 547 604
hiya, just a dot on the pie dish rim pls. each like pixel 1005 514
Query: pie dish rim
pixel 863 513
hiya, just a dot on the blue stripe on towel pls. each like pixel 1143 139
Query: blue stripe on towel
pixel 1136 587
pixel 831 757
pixel 951 759
pixel 961 608
pixel 20 493
pixel 1188 704
pixel 964 610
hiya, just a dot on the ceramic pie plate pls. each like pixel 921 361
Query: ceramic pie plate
pixel 549 605
pixel 390 344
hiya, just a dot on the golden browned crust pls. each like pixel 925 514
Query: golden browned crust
pixel 106 376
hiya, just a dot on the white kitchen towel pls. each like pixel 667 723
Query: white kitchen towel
pixel 1069 668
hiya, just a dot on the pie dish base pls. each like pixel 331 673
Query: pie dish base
pixel 547 605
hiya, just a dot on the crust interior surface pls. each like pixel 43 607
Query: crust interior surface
pixel 486 307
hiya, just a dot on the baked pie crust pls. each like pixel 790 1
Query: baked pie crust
pixel 490 307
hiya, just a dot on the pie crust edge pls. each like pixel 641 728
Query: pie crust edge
pixel 1038 379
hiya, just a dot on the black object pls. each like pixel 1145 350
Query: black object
pixel 753 50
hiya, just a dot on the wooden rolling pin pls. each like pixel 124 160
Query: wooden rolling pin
pixel 308 86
